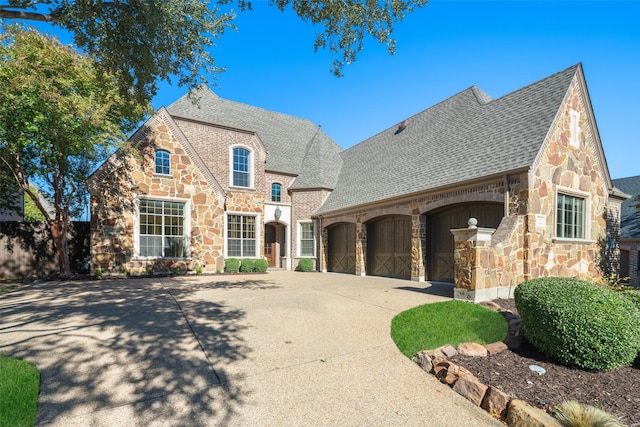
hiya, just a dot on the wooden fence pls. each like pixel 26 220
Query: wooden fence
pixel 26 249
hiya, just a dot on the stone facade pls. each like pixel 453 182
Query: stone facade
pixel 116 191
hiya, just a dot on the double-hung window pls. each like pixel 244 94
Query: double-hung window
pixel 307 240
pixel 241 236
pixel 570 217
pixel 162 229
pixel 241 163
pixel 163 162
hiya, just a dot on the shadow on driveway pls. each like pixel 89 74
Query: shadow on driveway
pixel 108 344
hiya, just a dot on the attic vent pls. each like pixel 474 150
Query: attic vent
pixel 402 126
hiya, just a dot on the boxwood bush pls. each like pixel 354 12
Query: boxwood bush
pixel 305 264
pixel 247 265
pixel 578 323
pixel 231 265
pixel 632 295
pixel 261 265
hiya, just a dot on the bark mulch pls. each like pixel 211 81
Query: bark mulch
pixel 615 391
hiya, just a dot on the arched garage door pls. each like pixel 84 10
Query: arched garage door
pixel 440 245
pixel 342 248
pixel 389 247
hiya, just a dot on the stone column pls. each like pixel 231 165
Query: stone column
pixel 471 262
pixel 417 254
pixel 361 248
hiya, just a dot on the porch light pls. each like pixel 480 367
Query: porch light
pixel 277 213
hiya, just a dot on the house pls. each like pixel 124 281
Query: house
pixel 477 191
pixel 630 229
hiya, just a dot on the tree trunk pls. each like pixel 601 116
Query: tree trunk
pixel 61 244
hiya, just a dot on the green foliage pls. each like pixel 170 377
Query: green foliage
pixel 573 414
pixel 578 323
pixel 19 386
pixel 97 273
pixel 149 271
pixel 611 281
pixel 232 265
pixel 59 118
pixel 632 295
pixel 454 322
pixel 31 211
pixel 261 265
pixel 175 271
pixel 144 42
pixel 198 270
pixel 247 265
pixel 305 265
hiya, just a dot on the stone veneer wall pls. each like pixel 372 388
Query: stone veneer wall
pixel 113 201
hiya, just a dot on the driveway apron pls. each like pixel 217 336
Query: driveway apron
pixel 275 349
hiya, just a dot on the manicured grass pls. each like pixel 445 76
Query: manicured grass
pixel 19 386
pixel 451 322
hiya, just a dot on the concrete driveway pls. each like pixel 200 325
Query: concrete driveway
pixel 279 349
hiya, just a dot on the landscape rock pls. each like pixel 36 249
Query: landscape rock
pixel 472 349
pixel 470 388
pixel 446 350
pixel 423 360
pixel 490 305
pixel 520 414
pixel 496 347
pixel 495 401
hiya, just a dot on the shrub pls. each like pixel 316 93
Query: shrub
pixel 232 265
pixel 247 265
pixel 578 323
pixel 97 273
pixel 633 296
pixel 261 265
pixel 305 264
pixel 573 414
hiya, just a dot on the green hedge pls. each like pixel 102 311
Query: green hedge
pixel 247 265
pixel 261 265
pixel 305 264
pixel 232 265
pixel 578 323
pixel 633 296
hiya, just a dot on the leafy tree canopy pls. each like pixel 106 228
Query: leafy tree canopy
pixel 142 42
pixel 59 118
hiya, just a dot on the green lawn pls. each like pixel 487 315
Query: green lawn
pixel 19 386
pixel 451 322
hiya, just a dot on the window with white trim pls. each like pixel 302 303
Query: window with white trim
pixel 163 162
pixel 276 192
pixel 162 229
pixel 241 167
pixel 307 240
pixel 241 236
pixel 570 216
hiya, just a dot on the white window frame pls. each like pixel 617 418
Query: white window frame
pixel 574 125
pixel 586 215
pixel 280 195
pixel 250 166
pixel 155 162
pixel 299 245
pixel 186 225
pixel 258 236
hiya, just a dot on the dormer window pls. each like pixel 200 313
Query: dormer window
pixel 241 167
pixel 163 162
pixel 276 192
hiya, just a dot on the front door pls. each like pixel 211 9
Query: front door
pixel 269 244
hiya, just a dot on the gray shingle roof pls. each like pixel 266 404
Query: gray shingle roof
pixel 630 215
pixel 465 137
pixel 290 141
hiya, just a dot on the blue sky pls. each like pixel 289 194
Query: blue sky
pixel 442 49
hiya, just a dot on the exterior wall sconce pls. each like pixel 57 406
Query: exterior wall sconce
pixel 277 213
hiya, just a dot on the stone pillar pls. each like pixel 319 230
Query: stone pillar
pixel 324 245
pixel 361 248
pixel 417 254
pixel 471 262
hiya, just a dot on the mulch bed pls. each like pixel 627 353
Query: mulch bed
pixel 616 391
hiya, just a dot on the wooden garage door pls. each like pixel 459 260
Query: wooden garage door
pixel 342 248
pixel 389 247
pixel 440 240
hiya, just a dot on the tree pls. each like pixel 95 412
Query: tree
pixel 142 42
pixel 59 117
